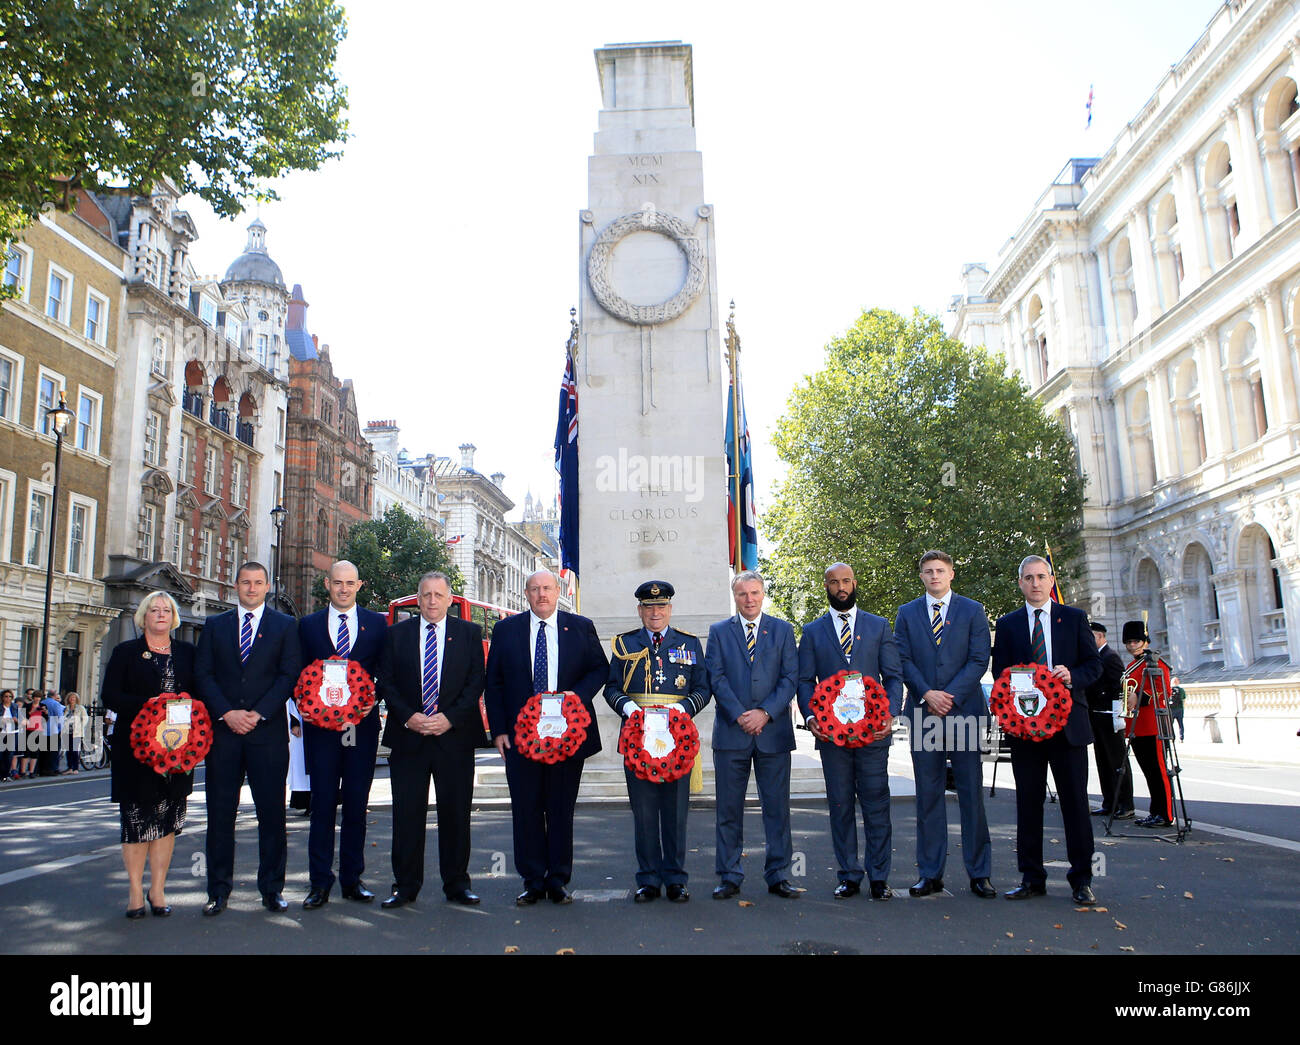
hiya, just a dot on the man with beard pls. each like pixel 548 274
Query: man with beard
pixel 943 640
pixel 846 638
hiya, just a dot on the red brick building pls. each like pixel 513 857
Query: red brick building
pixel 329 481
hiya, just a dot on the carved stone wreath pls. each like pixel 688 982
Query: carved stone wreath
pixel 646 221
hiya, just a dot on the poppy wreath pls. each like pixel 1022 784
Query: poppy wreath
pixel 146 735
pixel 846 734
pixel 672 766
pixel 551 749
pixel 361 697
pixel 1048 722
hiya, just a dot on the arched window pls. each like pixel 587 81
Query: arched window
pixel 323 533
pixel 1122 288
pixel 1169 255
pixel 1202 607
pixel 1151 599
pixel 1143 450
pixel 1221 203
pixel 1245 386
pixel 1282 144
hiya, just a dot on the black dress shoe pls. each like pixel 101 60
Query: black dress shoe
pixel 559 894
pixel 1083 896
pixel 784 890
pixel 394 902
pixel 316 898
pixel 983 888
pixel 846 890
pixel 214 906
pixel 465 898
pixel 678 893
pixel 880 891
pixel 528 897
pixel 1101 812
pixel 359 893
pixel 725 890
pixel 135 912
pixel 1025 890
pixel 646 893
pixel 275 902
pixel 926 886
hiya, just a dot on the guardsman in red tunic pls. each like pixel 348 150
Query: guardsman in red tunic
pixel 1148 748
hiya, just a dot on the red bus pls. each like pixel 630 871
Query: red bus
pixel 484 614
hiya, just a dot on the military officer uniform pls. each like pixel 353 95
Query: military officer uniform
pixel 1148 748
pixel 658 667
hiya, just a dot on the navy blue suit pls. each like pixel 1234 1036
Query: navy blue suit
pixel 542 797
pixel 262 684
pixel 955 665
pixel 341 764
pixel 1067 752
pixel 769 684
pixel 854 776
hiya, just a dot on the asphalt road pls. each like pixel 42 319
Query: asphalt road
pixel 64 888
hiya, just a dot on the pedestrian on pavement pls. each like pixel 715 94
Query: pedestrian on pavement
pixel 33 737
pixel 9 734
pixel 50 757
pixel 152 806
pixel 75 720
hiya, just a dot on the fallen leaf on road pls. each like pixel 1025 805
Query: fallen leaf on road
pixel 1159 886
pixel 1228 859
pixel 699 930
pixel 1126 948
pixel 1058 925
pixel 566 950
pixel 1102 910
pixel 1119 924
pixel 1011 936
pixel 511 949
pixel 1188 896
pixel 745 903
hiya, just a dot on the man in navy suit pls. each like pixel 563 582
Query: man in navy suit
pixel 341 764
pixel 754 672
pixel 943 640
pixel 849 639
pixel 431 676
pixel 246 667
pixel 1044 632
pixel 542 651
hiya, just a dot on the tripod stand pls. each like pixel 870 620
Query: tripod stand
pixel 1152 691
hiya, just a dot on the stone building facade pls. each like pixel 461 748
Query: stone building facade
pixel 328 470
pixel 60 337
pixel 1151 301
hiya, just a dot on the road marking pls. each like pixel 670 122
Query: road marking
pixel 1248 836
pixel 1244 787
pixel 55 865
pixel 599 895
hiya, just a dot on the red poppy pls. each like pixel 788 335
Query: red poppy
pixel 672 766
pixel 360 700
pixel 1051 717
pixel 850 734
pixel 551 749
pixel 146 730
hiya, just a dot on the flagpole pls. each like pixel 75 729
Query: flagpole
pixel 733 363
pixel 571 350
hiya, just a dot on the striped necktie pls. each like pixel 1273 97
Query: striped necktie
pixel 1038 642
pixel 750 641
pixel 344 644
pixel 541 670
pixel 246 637
pixel 846 636
pixel 429 692
pixel 936 625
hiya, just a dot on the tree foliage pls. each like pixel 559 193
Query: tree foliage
pixel 391 554
pixel 908 440
pixel 220 96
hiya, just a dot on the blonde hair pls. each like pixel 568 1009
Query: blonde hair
pixel 148 600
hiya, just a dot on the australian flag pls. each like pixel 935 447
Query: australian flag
pixel 746 556
pixel 566 463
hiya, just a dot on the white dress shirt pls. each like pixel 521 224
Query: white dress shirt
pixel 257 620
pixel 943 604
pixel 335 616
pixel 552 647
pixel 1046 618
pixel 440 629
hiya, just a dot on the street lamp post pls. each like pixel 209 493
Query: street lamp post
pixel 277 517
pixel 57 418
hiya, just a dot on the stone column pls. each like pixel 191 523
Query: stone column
pixel 1278 161
pixel 1148 306
pixel 1289 573
pixel 1161 423
pixel 1234 618
pixel 1249 181
pixel 1106 297
pixel 1279 395
pixel 1214 411
pixel 1191 223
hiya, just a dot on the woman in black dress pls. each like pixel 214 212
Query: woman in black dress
pixel 152 804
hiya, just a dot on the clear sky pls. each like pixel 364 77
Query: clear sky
pixel 857 155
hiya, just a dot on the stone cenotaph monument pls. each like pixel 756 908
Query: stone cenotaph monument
pixel 651 385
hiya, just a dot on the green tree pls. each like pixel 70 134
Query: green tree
pixel 908 440
pixel 220 96
pixel 391 554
